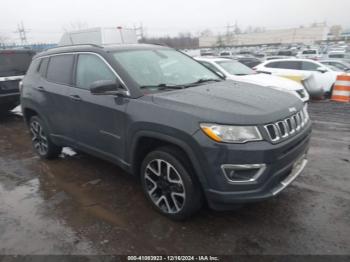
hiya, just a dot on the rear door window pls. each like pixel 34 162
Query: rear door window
pixel 43 66
pixel 293 65
pixel 60 69
pixel 273 65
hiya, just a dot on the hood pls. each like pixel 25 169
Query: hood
pixel 266 80
pixel 230 102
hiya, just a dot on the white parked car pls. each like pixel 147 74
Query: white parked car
pixel 323 76
pixel 310 54
pixel 235 70
pixel 342 65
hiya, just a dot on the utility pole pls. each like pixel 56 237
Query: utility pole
pixel 229 34
pixel 139 31
pixel 22 33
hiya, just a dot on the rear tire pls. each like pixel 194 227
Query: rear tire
pixel 168 184
pixel 41 141
pixel 328 95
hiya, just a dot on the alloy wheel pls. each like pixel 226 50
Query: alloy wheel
pixel 164 185
pixel 39 138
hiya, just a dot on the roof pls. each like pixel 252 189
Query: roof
pixel 97 48
pixel 291 59
pixel 212 59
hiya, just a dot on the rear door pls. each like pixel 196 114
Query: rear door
pixel 56 83
pixel 323 80
pixel 99 122
pixel 285 67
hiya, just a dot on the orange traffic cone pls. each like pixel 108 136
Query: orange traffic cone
pixel 341 89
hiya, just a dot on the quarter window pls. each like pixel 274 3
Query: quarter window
pixel 43 66
pixel 308 66
pixel 34 67
pixel 90 69
pixel 60 69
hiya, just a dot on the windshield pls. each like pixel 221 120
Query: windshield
pixel 336 55
pixel 235 68
pixel 334 68
pixel 163 67
pixel 12 63
pixel 309 52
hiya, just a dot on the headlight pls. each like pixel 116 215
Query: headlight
pixel 231 134
pixel 306 113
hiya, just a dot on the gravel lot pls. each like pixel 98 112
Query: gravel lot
pixel 79 204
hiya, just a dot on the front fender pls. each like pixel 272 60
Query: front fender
pixel 172 136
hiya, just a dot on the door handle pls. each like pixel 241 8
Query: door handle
pixel 40 88
pixel 75 97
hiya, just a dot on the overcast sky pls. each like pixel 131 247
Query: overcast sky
pixel 46 19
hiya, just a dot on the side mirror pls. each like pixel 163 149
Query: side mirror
pixel 322 69
pixel 220 74
pixel 107 87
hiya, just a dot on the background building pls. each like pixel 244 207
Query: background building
pixel 306 35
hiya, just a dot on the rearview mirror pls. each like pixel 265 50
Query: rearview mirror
pixel 107 87
pixel 322 69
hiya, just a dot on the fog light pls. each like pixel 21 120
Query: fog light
pixel 243 173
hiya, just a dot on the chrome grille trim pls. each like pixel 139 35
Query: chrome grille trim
pixel 287 127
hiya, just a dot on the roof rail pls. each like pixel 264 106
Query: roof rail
pixel 94 45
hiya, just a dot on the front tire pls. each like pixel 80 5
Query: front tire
pixel 168 185
pixel 41 141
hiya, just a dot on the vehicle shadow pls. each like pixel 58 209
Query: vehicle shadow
pixel 6 117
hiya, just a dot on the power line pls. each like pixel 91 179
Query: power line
pixel 22 33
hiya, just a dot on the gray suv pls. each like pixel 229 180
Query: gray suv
pixel 189 135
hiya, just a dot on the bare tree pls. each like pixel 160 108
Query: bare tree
pixel 184 40
pixel 76 25
pixel 206 32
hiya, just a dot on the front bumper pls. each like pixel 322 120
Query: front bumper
pixel 9 100
pixel 283 163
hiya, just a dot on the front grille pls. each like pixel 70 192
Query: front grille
pixel 9 85
pixel 287 127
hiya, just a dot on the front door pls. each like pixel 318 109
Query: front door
pixel 100 119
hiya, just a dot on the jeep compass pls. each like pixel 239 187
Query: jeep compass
pixel 189 135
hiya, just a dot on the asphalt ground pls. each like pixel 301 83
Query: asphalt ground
pixel 78 204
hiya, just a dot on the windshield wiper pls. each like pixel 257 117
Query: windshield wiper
pixel 163 86
pixel 203 80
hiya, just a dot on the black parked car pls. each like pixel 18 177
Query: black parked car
pixel 189 135
pixel 13 66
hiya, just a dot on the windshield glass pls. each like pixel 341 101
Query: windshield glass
pixel 336 55
pixel 12 63
pixel 166 67
pixel 334 68
pixel 235 68
pixel 309 52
